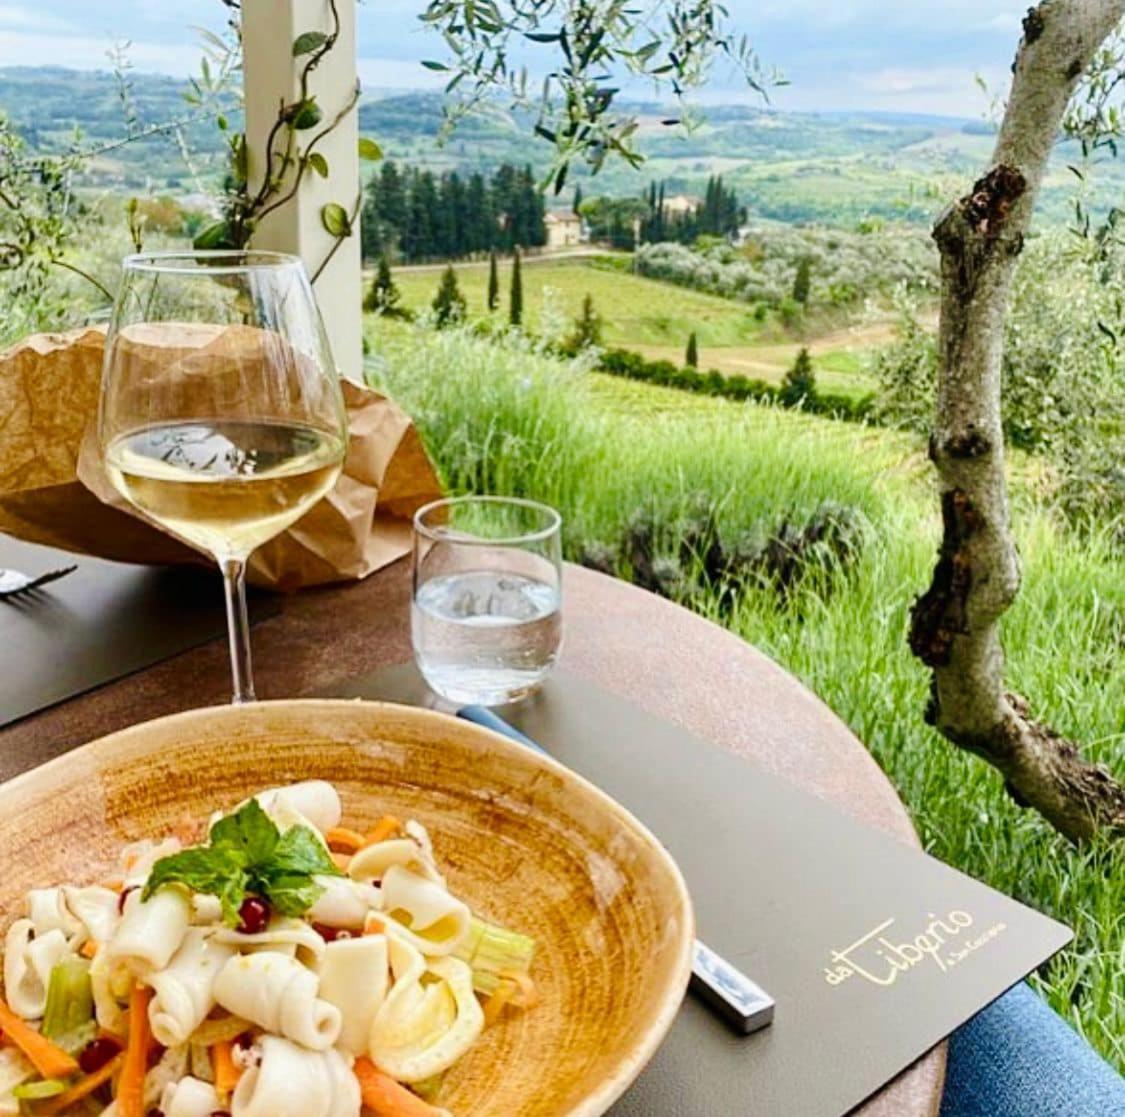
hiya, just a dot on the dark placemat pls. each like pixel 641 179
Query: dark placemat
pixel 105 620
pixel 838 921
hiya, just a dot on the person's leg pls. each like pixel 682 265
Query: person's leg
pixel 1018 1058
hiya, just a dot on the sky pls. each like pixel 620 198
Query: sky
pixel 890 55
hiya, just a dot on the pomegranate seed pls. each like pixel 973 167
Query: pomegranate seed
pixel 97 1053
pixel 255 915
pixel 123 897
pixel 331 934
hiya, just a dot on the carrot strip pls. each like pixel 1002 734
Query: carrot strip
pixel 131 1085
pixel 81 1088
pixel 387 1098
pixel 227 1072
pixel 48 1059
pixel 342 840
pixel 382 830
pixel 525 986
pixel 88 949
pixel 373 925
pixel 495 1005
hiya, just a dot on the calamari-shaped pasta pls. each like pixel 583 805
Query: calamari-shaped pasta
pixel 422 913
pixel 183 990
pixel 170 1067
pixel 138 858
pixel 205 908
pixel 108 1007
pixel 150 931
pixel 47 910
pixel 372 862
pixel 422 1029
pixel 344 903
pixel 313 802
pixel 353 977
pixel 280 995
pixel 15 1069
pixel 95 908
pixel 28 959
pixel 282 931
pixel 290 1081
pixel 190 1098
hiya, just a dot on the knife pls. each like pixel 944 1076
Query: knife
pixel 745 1005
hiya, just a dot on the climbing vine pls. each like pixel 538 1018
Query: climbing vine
pixel 290 154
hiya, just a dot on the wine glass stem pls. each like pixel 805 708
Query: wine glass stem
pixel 238 629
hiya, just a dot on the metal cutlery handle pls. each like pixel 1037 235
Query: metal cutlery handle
pixel 742 1003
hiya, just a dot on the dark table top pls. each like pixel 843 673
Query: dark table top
pixel 648 650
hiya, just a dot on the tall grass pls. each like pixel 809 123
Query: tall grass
pixel 507 419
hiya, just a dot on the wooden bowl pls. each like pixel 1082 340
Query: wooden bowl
pixel 524 841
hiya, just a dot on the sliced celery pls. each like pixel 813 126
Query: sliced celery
pixel 491 951
pixel 429 1088
pixel 41 1088
pixel 68 1018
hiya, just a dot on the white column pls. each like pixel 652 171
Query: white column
pixel 269 28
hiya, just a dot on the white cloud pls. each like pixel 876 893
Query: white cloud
pixel 394 73
pixel 17 17
pixel 89 53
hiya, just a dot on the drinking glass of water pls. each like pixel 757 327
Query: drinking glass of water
pixel 486 619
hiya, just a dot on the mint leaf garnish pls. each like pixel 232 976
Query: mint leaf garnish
pixel 299 851
pixel 248 855
pixel 293 893
pixel 249 831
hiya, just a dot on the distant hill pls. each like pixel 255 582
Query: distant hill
pixel 831 167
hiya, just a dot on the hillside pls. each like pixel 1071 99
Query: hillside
pixel 832 168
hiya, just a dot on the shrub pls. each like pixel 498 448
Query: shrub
pixel 587 328
pixel 384 296
pixel 799 385
pixel 449 303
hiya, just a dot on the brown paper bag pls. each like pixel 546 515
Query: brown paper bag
pixel 53 488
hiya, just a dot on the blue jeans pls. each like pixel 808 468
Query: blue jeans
pixel 1017 1058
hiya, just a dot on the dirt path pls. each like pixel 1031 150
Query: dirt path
pixel 770 359
pixel 526 260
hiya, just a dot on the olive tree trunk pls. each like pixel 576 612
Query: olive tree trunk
pixel 954 627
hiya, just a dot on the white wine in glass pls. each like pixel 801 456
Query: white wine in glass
pixel 221 415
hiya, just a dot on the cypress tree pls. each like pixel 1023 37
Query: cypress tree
pixel 577 200
pixel 384 295
pixel 493 281
pixel 449 303
pixel 587 327
pixel 691 357
pixel 515 304
pixel 802 281
pixel 800 381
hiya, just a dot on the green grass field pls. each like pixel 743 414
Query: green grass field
pixel 635 310
pixel 655 318
pixel 508 420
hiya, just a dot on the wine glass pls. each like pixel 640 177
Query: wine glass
pixel 221 415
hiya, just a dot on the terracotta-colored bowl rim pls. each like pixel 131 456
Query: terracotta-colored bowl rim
pixel 635 1056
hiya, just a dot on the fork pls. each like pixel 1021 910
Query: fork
pixel 14 584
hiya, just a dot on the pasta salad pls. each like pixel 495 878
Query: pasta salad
pixel 285 967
